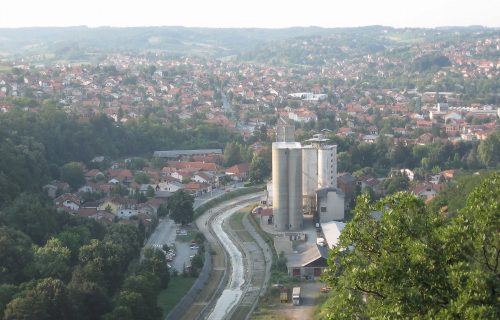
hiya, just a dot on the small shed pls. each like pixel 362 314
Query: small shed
pixel 309 264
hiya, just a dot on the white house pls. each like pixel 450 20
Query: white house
pixel 170 186
pixel 452 116
pixel 68 201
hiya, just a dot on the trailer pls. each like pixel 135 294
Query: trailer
pixel 296 299
pixel 284 295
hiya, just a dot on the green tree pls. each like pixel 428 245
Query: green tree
pixel 15 255
pixel 232 154
pixel 135 301
pixel 32 213
pixel 49 299
pixel 52 260
pixel 72 173
pixel 389 263
pixel 147 284
pixel 151 192
pixel 489 150
pixel 395 184
pixel 120 313
pixel 180 206
pixel 258 169
pixel 127 237
pixel 162 210
pixel 154 262
pixel 91 300
pixel 416 263
pixel 73 237
pixel 104 263
pixel 141 178
pixel 472 249
pixel 7 292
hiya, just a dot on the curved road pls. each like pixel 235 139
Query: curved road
pixel 234 290
pixel 247 262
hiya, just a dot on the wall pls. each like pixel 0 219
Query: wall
pixel 334 203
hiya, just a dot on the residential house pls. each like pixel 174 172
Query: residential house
pixel 196 189
pixel 87 212
pixel 345 131
pixel 68 201
pixel 86 189
pixel 238 172
pixel 205 177
pixel 93 174
pixel 426 190
pixel 122 175
pixel 183 174
pixel 55 187
pixel 370 138
pixel 194 165
pixel 369 182
pixel 169 186
pixel 372 130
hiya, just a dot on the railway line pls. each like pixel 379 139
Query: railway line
pixel 239 266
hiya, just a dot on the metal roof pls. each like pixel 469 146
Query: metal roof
pixel 179 153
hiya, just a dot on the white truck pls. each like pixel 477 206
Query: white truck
pixel 296 296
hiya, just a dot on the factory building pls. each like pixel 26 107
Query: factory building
pixel 304 180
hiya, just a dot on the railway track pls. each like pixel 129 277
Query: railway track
pixel 205 305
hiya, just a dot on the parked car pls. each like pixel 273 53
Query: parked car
pixel 326 289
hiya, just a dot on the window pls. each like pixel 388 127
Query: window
pixel 323 209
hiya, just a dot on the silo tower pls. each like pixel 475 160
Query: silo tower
pixel 287 185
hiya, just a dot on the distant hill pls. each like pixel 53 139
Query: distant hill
pixel 174 40
pixel 265 45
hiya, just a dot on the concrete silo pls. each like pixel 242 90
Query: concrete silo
pixel 287 183
pixel 295 213
pixel 309 176
pixel 327 166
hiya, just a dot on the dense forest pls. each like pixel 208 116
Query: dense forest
pixel 57 266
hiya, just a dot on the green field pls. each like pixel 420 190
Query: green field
pixel 177 288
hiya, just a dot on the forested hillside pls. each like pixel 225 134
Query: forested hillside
pixel 35 145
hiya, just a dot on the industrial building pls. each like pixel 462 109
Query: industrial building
pixel 319 180
pixel 304 181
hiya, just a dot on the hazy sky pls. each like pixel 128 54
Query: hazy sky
pixel 249 13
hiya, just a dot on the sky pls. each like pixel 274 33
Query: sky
pixel 249 13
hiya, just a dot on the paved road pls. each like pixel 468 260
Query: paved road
pixel 234 290
pixel 305 311
pixel 249 262
pixel 163 234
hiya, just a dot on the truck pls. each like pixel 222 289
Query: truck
pixel 296 296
